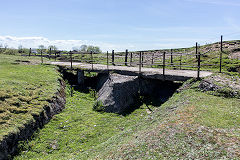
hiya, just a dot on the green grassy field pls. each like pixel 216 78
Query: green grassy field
pixel 191 125
pixel 25 88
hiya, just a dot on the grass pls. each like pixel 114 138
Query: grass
pixel 26 87
pixel 191 125
pixel 77 129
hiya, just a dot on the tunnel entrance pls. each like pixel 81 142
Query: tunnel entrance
pixel 120 93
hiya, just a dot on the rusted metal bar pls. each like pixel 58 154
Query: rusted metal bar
pixel 126 56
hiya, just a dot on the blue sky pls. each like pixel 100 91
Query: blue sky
pixel 118 24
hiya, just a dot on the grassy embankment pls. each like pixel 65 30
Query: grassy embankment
pixel 192 124
pixel 25 88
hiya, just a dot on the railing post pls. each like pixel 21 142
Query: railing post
pixel 113 57
pixel 152 59
pixel 126 56
pixel 199 65
pixel 164 53
pixel 82 56
pixel 107 61
pixel 56 55
pixel 92 59
pixel 142 58
pixel 50 52
pixel 220 67
pixel 181 61
pixel 71 58
pixel 171 57
pixel 41 56
pixel 140 62
pixel 131 59
pixel 30 51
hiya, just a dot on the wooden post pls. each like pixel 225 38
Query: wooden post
pixel 220 67
pixel 107 61
pixel 113 57
pixel 30 51
pixel 152 59
pixel 130 58
pixel 142 58
pixel 198 73
pixel 41 56
pixel 126 56
pixel 171 57
pixel 164 53
pixel 92 59
pixel 56 55
pixel 140 62
pixel 71 58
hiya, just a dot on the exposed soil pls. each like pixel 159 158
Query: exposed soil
pixel 8 146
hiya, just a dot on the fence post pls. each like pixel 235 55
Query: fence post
pixel 30 51
pixel 113 57
pixel 164 53
pixel 198 54
pixel 71 58
pixel 181 61
pixel 142 58
pixel 126 56
pixel 56 55
pixel 131 59
pixel 152 59
pixel 171 57
pixel 220 67
pixel 140 62
pixel 107 61
pixel 50 53
pixel 92 59
pixel 41 56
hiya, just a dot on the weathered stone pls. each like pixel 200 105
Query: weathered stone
pixel 121 93
pixel 117 94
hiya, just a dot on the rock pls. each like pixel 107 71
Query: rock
pixel 121 93
pixel 117 94
pixel 207 85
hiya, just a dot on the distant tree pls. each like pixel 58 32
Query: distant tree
pixel 83 48
pixel 41 48
pixel 94 49
pixel 52 47
pixel 20 49
pixel 75 48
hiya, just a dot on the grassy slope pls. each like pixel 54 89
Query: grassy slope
pixel 24 91
pixel 192 124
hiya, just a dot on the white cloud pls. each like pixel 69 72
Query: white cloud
pixel 34 42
